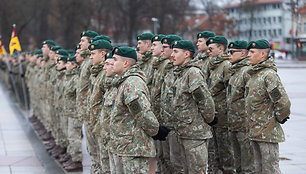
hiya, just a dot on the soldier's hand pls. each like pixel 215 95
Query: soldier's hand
pixel 163 132
pixel 284 120
pixel 214 122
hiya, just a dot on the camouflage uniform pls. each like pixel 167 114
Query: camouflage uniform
pixel 159 64
pixel 62 137
pixel 173 158
pixel 267 104
pixel 95 95
pixel 146 66
pixel 47 109
pixel 237 118
pixel 74 125
pixel 132 123
pixel 54 122
pixel 193 108
pixel 220 154
pixel 203 61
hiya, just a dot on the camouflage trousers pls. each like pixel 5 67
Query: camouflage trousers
pixel 92 147
pixel 177 158
pixel 266 157
pixel 196 156
pixel 221 154
pixel 242 151
pixel 103 157
pixel 75 139
pixel 62 139
pixel 129 165
pixel 162 157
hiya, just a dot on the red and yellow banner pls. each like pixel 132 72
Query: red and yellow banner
pixel 14 43
pixel 2 49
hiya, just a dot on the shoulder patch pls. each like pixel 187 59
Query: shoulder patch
pixel 135 107
pixel 275 94
pixel 198 94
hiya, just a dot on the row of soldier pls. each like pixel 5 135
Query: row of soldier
pixel 217 111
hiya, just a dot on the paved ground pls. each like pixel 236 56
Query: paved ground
pixel 21 152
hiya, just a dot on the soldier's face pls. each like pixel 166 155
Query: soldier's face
pixel 179 56
pixel 213 50
pixel 201 44
pixel 143 46
pixel 234 55
pixel 70 65
pixel 167 51
pixel 78 56
pixel 118 64
pixel 60 65
pixel 156 48
pixel 84 43
pixel 45 50
pixel 96 56
pixel 109 67
pixel 52 55
pixel 256 56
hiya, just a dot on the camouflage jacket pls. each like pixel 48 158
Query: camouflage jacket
pixel 266 102
pixel 51 84
pixel 95 94
pixel 159 65
pixel 29 74
pixel 166 97
pixel 146 66
pixel 217 83
pixel 59 91
pixel 70 104
pixel 235 95
pixel 192 103
pixel 203 61
pixel 82 86
pixel 103 128
pixel 132 121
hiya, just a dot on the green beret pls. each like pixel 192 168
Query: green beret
pixel 89 33
pixel 170 38
pixel 183 44
pixel 238 44
pixel 78 46
pixel 158 37
pixel 71 59
pixel 259 44
pixel 145 36
pixel 125 52
pixel 216 39
pixel 100 44
pixel 32 53
pixel 71 52
pixel 61 52
pixel 38 51
pixel 109 55
pixel 40 55
pixel 49 42
pixel 205 34
pixel 100 37
pixel 54 48
pixel 63 58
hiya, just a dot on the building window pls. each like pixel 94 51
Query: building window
pixel 264 20
pixel 270 34
pixel 264 32
pixel 280 19
pixel 254 20
pixel 280 32
pixel 269 20
pixel 274 33
pixel 259 20
pixel 259 33
pixel 274 19
pixel 255 33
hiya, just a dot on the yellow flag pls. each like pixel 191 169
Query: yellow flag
pixel 14 43
pixel 2 49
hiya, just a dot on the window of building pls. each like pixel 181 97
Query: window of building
pixel 280 19
pixel 264 32
pixel 269 20
pixel 254 20
pixel 259 33
pixel 269 31
pixel 255 33
pixel 259 20
pixel 274 33
pixel 280 32
pixel 274 19
pixel 264 20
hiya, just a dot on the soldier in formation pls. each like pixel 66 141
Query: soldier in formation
pixel 162 107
